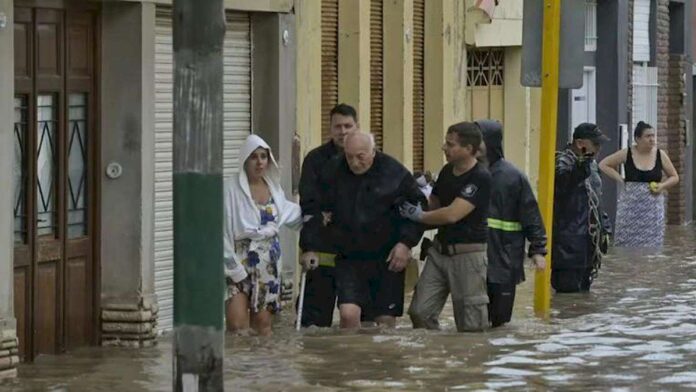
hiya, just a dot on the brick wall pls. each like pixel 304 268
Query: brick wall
pixel 663 97
pixel 671 110
pixel 676 142
pixel 662 62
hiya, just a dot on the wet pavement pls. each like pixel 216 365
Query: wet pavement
pixel 635 331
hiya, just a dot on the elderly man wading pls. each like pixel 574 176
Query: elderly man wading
pixel 373 242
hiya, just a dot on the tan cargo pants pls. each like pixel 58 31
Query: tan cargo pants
pixel 463 276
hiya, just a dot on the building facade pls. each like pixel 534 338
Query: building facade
pixel 86 248
pixel 86 229
pixel 637 56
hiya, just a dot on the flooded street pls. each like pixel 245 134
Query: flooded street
pixel 635 331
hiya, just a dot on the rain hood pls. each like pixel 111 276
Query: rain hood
pixel 242 217
pixel 492 133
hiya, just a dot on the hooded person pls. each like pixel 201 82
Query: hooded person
pixel 255 208
pixel 580 227
pixel 513 217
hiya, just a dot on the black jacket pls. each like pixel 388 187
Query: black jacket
pixel 513 214
pixel 311 191
pixel 576 180
pixel 365 220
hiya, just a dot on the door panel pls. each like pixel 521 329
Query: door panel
pixel 80 51
pixel 22 277
pixel 49 247
pixel 79 195
pixel 23 230
pixel 49 48
pixel 77 302
pixel 46 309
pixel 54 195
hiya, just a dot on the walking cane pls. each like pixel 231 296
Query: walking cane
pixel 300 304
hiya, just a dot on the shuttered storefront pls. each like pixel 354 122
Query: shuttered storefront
pixel 329 63
pixel 237 125
pixel 376 70
pixel 418 84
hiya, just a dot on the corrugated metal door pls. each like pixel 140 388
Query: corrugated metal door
pixel 236 89
pixel 418 83
pixel 329 63
pixel 376 70
pixel 645 86
pixel 641 30
pixel 237 125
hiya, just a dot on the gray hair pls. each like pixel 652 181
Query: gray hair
pixel 369 137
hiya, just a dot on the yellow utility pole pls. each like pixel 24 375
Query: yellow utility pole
pixel 547 162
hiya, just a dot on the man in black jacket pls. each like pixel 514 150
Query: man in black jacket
pixel 513 216
pixel 320 286
pixel 373 243
pixel 579 225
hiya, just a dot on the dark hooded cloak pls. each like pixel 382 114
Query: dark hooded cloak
pixel 513 213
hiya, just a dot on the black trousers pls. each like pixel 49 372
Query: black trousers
pixel 320 297
pixel 571 280
pixel 501 299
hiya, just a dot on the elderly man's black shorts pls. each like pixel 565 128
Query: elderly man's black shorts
pixel 370 285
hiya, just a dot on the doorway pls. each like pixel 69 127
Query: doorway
pixel 55 132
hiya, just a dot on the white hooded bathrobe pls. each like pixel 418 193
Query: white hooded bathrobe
pixel 251 245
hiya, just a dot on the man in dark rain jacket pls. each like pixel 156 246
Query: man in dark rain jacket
pixel 373 242
pixel 513 216
pixel 580 228
pixel 320 287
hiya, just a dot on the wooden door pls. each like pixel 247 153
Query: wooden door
pixel 54 191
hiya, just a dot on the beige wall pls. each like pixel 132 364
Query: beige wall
pixel 445 74
pixel 505 28
pixel 354 57
pixel 127 138
pixel 398 80
pixel 240 5
pixel 522 116
pixel 308 73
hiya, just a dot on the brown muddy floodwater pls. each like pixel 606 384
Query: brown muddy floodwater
pixel 635 331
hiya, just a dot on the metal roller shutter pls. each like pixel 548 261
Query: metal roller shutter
pixel 236 89
pixel 641 30
pixel 236 127
pixel 418 84
pixel 329 63
pixel 645 86
pixel 376 70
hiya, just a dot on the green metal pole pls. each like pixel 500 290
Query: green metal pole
pixel 199 30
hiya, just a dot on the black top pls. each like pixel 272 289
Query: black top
pixel 633 174
pixel 473 186
pixel 311 191
pixel 365 222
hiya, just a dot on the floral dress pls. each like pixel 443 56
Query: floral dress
pixel 261 261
